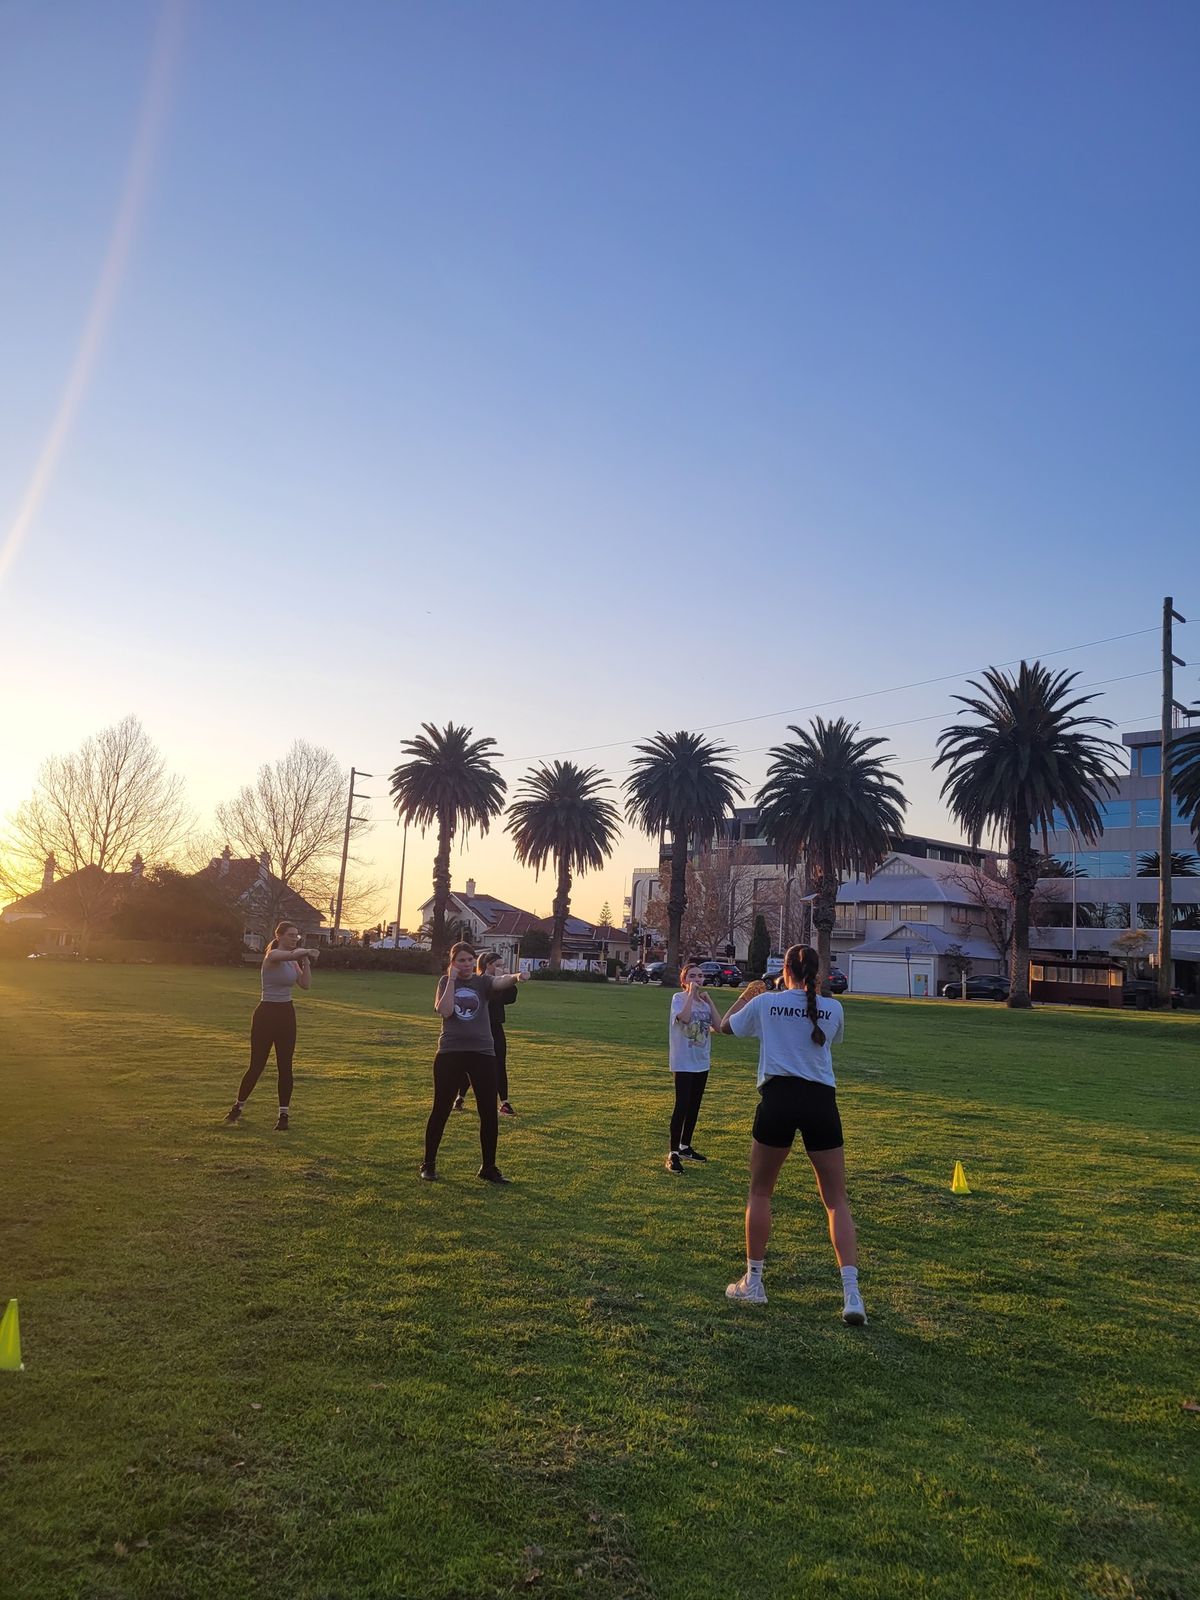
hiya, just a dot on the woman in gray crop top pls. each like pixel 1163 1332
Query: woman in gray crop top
pixel 273 1026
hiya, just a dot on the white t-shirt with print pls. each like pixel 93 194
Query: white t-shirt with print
pixel 690 1043
pixel 786 1050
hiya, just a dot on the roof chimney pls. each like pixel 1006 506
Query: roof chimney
pixel 470 888
pixel 223 864
pixel 48 871
pixel 264 866
pixel 137 866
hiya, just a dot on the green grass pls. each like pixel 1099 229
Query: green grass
pixel 264 1365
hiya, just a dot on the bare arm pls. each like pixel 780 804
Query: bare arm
pixel 298 954
pixel 444 1005
pixel 304 976
pixel 684 1014
pixel 510 980
pixel 742 1000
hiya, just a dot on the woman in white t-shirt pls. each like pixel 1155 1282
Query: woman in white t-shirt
pixel 795 1028
pixel 689 1054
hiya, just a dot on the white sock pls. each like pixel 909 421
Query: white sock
pixel 849 1280
pixel 283 1111
pixel 754 1270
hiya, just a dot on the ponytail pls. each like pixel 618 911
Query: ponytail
pixel 802 966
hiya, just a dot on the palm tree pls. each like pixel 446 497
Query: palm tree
pixel 560 815
pixel 1025 757
pixel 829 798
pixel 679 783
pixel 1183 864
pixel 448 781
pixel 1185 776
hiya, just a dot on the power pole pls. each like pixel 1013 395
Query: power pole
pixel 400 896
pixel 350 799
pixel 1169 706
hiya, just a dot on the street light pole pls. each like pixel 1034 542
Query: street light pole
pixel 400 896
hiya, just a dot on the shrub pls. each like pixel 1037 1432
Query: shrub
pixel 544 975
pixel 353 958
pixel 171 952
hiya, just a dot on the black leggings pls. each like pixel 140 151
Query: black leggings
pixel 689 1091
pixel 450 1067
pixel 274 1023
pixel 464 1083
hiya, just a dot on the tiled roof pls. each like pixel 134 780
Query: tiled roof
pixel 63 895
pixel 241 878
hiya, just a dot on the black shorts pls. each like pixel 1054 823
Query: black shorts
pixel 798 1105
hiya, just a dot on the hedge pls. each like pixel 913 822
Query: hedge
pixel 356 958
pixel 544 975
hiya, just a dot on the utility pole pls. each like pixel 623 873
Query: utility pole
pixel 350 799
pixel 1169 706
pixel 400 896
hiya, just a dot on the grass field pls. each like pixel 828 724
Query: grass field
pixel 280 1365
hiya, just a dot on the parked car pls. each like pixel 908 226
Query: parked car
pixel 837 981
pixel 718 973
pixel 990 987
pixel 774 967
pixel 1143 993
pixel 655 970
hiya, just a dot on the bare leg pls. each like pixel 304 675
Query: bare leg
pixel 766 1162
pixel 830 1168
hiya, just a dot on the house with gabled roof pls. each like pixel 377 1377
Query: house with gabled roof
pixel 263 899
pixel 68 910
pixel 904 928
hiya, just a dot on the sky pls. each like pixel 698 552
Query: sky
pixel 578 371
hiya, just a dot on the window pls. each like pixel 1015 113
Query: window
pixel 1097 863
pixel 1114 813
pixel 966 914
pixel 912 913
pixel 1053 915
pixel 1146 759
pixel 875 912
pixel 1102 914
pixel 1147 814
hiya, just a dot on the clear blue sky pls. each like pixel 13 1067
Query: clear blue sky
pixel 578 370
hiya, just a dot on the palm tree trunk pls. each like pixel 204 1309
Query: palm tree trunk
pixel 441 894
pixel 562 908
pixel 1024 863
pixel 824 916
pixel 676 903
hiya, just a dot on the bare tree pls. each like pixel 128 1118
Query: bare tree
pixel 722 890
pixel 994 899
pixel 295 813
pixel 111 799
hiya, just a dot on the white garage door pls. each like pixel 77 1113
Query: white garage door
pixel 889 975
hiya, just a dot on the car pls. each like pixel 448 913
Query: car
pixel 774 966
pixel 655 970
pixel 718 973
pixel 991 986
pixel 837 981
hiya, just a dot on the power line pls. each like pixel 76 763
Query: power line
pixel 819 705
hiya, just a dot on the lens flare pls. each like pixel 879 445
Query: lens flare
pixel 164 54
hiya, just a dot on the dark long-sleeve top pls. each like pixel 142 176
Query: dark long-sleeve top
pixel 496 1005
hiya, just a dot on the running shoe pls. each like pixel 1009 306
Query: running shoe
pixel 854 1313
pixel 458 1102
pixel 235 1114
pixel 491 1175
pixel 429 1174
pixel 748 1289
pixel 282 1125
pixel 506 1110
pixel 689 1154
pixel 673 1163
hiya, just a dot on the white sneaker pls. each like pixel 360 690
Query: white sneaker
pixel 748 1289
pixel 854 1313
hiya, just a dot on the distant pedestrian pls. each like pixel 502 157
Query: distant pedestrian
pixel 689 1055
pixel 795 1027
pixel 465 1047
pixel 285 964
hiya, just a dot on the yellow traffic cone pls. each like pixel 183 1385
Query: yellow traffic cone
pixel 958 1183
pixel 10 1340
